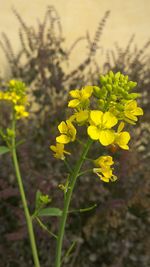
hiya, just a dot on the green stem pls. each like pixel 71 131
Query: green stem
pixel 23 198
pixel 44 227
pixel 86 171
pixel 69 250
pixel 84 209
pixel 73 178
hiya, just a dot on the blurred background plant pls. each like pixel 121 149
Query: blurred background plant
pixel 118 227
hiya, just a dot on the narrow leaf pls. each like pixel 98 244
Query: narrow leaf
pixel 50 212
pixel 4 149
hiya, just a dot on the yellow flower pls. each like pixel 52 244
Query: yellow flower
pixel 104 161
pixel 104 171
pixel 122 138
pixel 80 117
pixel 12 82
pixel 101 123
pixel 59 151
pixel 131 111
pixel 16 95
pixel 20 111
pixel 105 174
pixel 81 97
pixel 9 96
pixel 13 97
pixel 68 132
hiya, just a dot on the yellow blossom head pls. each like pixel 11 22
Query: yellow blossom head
pixel 16 95
pixel 105 174
pixel 104 161
pixel 131 111
pixel 20 111
pixel 100 128
pixel 80 117
pixel 104 170
pixel 81 97
pixel 68 132
pixel 59 151
pixel 122 138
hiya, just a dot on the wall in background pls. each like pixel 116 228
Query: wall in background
pixel 78 17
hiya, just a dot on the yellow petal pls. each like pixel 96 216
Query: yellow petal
pixel 62 127
pixel 53 148
pixel 106 137
pixel 96 116
pixel 130 115
pixel 72 117
pixel 107 172
pixel 71 130
pixel 82 116
pixel 122 140
pixel 75 93
pixel 120 127
pixel 63 139
pixel 104 179
pixel 93 132
pixel 60 147
pixel 73 103
pixel 131 105
pixel 87 91
pixel 125 147
pixel 109 120
pixel 138 111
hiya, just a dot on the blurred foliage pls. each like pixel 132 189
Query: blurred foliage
pixel 116 232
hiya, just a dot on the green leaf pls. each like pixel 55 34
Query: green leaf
pixel 50 212
pixel 4 149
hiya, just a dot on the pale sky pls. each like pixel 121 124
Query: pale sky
pixel 79 16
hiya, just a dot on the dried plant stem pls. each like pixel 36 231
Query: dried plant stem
pixel 23 198
pixel 68 195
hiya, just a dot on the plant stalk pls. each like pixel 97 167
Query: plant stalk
pixel 73 178
pixel 23 198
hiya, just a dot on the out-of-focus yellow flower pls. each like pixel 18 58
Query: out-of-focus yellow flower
pixel 81 97
pixel 68 132
pixel 16 95
pixel 131 110
pixel 12 83
pixel 105 172
pixel 100 128
pixel 59 151
pixel 20 111
pixel 9 96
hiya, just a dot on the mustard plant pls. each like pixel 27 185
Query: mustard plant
pixel 16 96
pixel 104 111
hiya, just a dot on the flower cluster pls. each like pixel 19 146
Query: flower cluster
pixel 105 111
pixel 104 169
pixel 16 95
